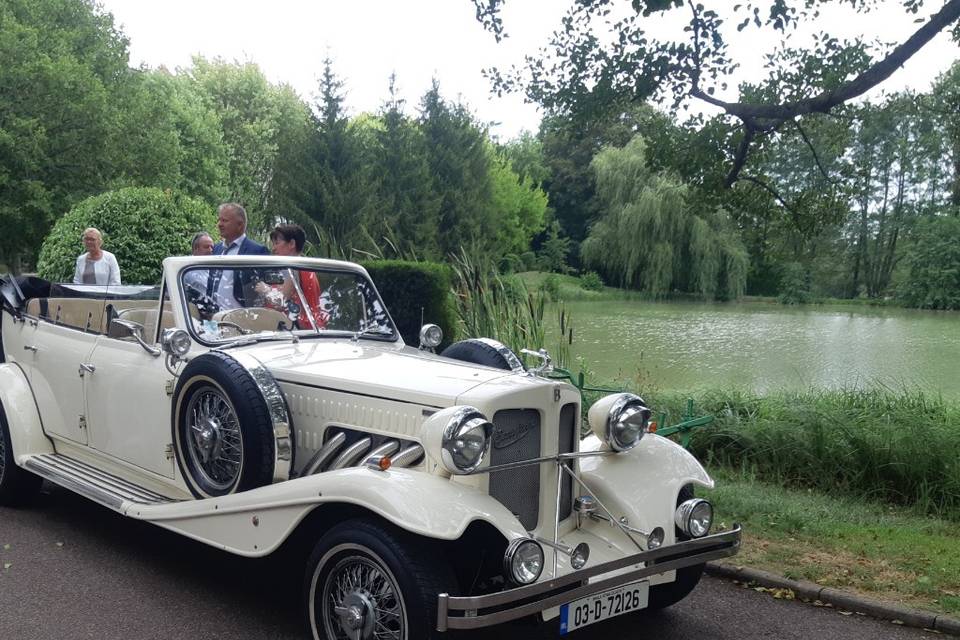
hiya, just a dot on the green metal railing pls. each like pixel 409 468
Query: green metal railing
pixel 683 429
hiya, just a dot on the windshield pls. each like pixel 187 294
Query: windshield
pixel 262 302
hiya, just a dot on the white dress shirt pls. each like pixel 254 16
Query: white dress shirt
pixel 224 294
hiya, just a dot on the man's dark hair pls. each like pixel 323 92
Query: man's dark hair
pixel 290 232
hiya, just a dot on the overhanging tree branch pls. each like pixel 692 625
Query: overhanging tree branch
pixel 764 116
pixel 827 100
pixel 813 150
pixel 763 185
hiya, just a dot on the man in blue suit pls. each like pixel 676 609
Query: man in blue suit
pixel 228 288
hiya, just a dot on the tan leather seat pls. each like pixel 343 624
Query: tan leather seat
pixel 80 313
pixel 147 318
pixel 253 318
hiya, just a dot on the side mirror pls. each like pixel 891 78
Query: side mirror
pixel 134 330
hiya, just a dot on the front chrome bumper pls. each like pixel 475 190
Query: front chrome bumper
pixel 475 612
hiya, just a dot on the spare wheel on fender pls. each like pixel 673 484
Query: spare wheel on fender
pixel 486 352
pixel 231 428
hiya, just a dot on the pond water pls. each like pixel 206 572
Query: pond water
pixel 763 347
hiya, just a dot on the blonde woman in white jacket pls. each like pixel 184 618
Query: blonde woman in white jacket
pixel 96 266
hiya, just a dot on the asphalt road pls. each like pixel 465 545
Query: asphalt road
pixel 70 569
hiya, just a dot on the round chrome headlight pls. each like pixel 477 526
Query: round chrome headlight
pixel 465 440
pixel 620 420
pixel 457 438
pixel 175 342
pixel 523 561
pixel 430 336
pixel 694 517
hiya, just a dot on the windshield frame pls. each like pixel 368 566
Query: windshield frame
pixel 272 262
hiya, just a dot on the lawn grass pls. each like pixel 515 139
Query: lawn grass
pixel 570 290
pixel 885 552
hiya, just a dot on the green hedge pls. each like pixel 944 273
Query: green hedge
pixel 140 225
pixel 415 293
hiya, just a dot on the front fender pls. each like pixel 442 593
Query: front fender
pixel 642 484
pixel 256 522
pixel 23 418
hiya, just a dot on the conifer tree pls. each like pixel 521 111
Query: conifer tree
pixel 409 202
pixel 460 165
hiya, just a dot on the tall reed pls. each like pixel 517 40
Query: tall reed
pixel 503 309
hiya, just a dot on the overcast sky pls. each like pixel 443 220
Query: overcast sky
pixel 422 39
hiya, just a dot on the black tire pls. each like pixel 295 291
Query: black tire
pixel 407 572
pixel 222 432
pixel 488 353
pixel 18 486
pixel 664 595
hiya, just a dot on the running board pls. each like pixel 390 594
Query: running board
pixel 101 487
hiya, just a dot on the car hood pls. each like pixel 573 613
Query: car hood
pixel 382 370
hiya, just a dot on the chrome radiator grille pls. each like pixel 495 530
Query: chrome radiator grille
pixel 567 444
pixel 516 436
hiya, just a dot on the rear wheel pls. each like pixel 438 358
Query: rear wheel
pixel 17 486
pixel 369 581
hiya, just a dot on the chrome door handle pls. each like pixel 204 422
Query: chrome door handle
pixel 29 347
pixel 89 368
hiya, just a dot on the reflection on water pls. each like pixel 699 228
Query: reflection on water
pixel 760 346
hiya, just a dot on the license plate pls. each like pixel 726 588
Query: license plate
pixel 602 606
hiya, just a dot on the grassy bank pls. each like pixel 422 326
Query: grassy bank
pixel 896 554
pixel 898 447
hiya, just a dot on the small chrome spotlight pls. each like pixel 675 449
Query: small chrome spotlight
pixel 580 555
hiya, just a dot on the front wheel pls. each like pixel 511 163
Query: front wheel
pixel 664 595
pixel 365 581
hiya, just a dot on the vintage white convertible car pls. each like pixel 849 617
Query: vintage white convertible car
pixel 252 402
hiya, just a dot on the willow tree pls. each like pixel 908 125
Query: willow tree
pixel 648 237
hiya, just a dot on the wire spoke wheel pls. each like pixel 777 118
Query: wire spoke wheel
pixel 214 442
pixel 361 599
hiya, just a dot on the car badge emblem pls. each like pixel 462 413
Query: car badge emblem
pixel 503 438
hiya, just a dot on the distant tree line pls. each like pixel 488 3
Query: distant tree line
pixel 860 202
pixel 76 121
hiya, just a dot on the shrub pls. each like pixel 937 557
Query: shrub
pixel 140 225
pixel 794 288
pixel 591 281
pixel 529 260
pixel 415 293
pixel 551 286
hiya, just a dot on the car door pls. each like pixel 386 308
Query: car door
pixel 67 330
pixel 127 397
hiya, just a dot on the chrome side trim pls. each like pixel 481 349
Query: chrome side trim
pixel 277 408
pixel 351 454
pixel 324 454
pixel 101 487
pixel 408 456
pixel 692 552
pixel 384 449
